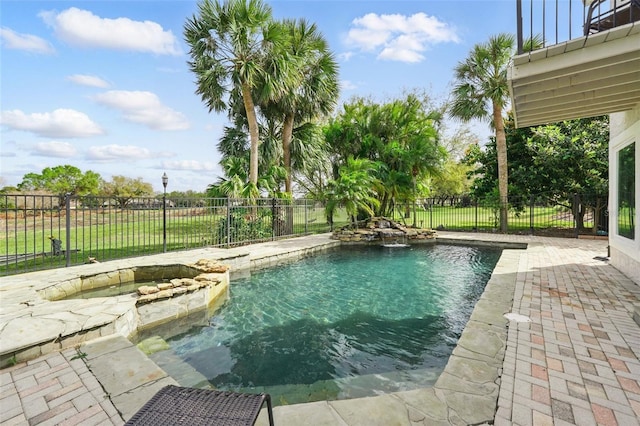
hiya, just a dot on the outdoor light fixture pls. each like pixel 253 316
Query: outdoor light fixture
pixel 165 181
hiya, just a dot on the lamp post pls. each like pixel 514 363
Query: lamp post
pixel 165 181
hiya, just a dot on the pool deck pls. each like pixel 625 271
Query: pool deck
pixel 571 357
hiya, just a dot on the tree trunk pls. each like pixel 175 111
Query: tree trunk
pixel 287 132
pixel 597 211
pixel 254 136
pixel 580 219
pixel 503 174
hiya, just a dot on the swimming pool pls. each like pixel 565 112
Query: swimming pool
pixel 352 322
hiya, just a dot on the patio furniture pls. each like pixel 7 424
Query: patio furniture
pixel 174 405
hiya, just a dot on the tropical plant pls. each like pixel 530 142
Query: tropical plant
pixel 354 189
pixel 400 136
pixel 481 92
pixel 232 48
pixel 312 91
pixel 235 185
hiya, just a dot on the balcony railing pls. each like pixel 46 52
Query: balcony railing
pixel 556 21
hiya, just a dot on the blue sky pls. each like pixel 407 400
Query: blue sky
pixel 105 86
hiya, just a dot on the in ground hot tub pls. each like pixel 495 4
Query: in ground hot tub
pixel 160 293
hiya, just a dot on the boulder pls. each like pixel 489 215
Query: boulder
pixel 147 289
pixel 210 266
pixel 147 298
pixel 164 294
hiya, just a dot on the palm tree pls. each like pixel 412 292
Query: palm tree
pixel 482 82
pixel 314 90
pixel 232 47
pixel 354 189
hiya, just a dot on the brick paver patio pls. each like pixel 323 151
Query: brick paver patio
pixel 577 361
pixel 56 389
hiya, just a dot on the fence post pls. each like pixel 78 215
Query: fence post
pixel 306 220
pixel 164 220
pixel 228 222
pixel 273 219
pixel 431 201
pixel 531 214
pixel 575 213
pixel 67 253
pixel 476 210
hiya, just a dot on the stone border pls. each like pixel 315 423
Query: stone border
pixel 280 259
pixel 466 391
pixel 470 382
pixel 116 277
pixel 118 314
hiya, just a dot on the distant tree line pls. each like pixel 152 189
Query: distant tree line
pixel 66 180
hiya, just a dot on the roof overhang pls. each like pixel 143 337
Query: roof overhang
pixel 585 77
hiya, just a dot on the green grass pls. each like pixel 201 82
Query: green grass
pixel 626 227
pixel 114 233
pixel 482 218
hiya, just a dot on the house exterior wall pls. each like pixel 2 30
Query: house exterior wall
pixel 624 252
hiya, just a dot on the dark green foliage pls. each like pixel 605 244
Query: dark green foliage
pixel 241 226
pixel 399 138
pixel 555 161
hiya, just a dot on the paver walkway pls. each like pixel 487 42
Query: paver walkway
pixel 55 389
pixel 577 362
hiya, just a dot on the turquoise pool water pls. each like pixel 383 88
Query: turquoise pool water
pixel 352 322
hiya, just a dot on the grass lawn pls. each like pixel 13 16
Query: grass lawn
pixel 114 233
pixel 107 234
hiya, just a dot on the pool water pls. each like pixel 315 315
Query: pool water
pixel 130 287
pixel 351 322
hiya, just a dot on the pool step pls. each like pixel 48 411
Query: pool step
pixel 349 388
pixel 182 372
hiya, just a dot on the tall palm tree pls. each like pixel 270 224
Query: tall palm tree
pixel 231 47
pixel 481 91
pixel 313 89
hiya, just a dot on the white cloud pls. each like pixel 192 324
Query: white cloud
pixel 55 149
pixel 192 165
pixel 347 85
pixel 82 28
pixel 399 37
pixel 112 153
pixel 143 108
pixel 61 123
pixel 13 40
pixel 345 56
pixel 88 80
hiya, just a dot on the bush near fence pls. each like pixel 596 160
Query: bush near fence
pixel 96 229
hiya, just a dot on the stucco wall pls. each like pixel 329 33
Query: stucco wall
pixel 625 253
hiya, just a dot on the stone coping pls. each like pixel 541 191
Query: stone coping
pixel 466 391
pixel 31 325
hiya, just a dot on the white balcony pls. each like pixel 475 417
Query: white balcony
pixel 584 77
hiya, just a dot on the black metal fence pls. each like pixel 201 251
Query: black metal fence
pixel 545 215
pixel 43 231
pixel 557 21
